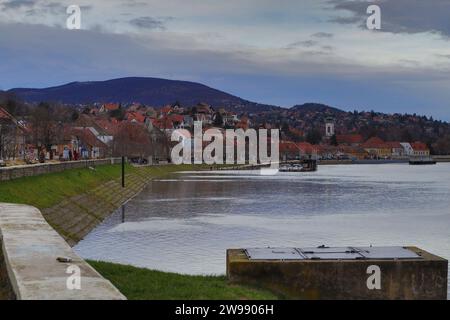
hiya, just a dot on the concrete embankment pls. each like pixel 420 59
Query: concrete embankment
pixel 29 266
pixel 75 217
pixel 16 172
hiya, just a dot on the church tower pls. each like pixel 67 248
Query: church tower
pixel 329 127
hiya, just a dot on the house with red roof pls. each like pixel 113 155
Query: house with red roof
pixel 353 152
pixel 177 121
pixel 166 110
pixel 349 139
pixel 290 150
pixel 88 145
pixel 107 107
pixel 377 148
pixel 163 124
pixel 396 148
pixel 135 116
pixel 420 149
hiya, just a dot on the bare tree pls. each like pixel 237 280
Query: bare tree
pixel 132 140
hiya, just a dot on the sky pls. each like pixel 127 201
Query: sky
pixel 281 52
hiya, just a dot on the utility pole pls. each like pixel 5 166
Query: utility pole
pixel 123 186
pixel 1 143
pixel 123 172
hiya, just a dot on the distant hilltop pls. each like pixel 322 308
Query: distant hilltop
pixel 149 91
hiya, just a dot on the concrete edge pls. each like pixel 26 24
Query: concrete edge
pixel 30 249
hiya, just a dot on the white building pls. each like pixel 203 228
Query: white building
pixel 329 127
pixel 408 149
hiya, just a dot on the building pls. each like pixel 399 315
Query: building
pixel 407 149
pixel 290 150
pixel 377 148
pixel 397 149
pixel 329 127
pixel 107 107
pixel 420 149
pixel 353 152
pixel 88 145
pixel 349 139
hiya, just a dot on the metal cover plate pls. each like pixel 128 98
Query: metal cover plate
pixel 388 253
pixel 325 250
pixel 333 253
pixel 334 256
pixel 273 254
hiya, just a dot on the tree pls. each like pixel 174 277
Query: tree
pixel 118 114
pixel 218 120
pixel 44 119
pixel 333 140
pixel 314 136
pixel 12 104
pixel 132 140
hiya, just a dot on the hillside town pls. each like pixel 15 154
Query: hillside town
pixel 143 133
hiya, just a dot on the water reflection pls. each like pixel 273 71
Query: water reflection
pixel 184 223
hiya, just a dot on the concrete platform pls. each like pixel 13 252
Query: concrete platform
pixel 375 274
pixel 30 248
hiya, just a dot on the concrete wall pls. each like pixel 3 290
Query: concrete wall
pixel 29 267
pixel 10 173
pixel 342 279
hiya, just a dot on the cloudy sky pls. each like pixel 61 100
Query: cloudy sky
pixel 282 52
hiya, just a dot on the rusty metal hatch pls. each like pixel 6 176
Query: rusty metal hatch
pixel 331 253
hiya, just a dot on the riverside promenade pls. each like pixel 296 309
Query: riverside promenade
pixel 29 266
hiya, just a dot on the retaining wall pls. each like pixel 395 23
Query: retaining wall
pixel 15 172
pixel 29 269
pixel 400 279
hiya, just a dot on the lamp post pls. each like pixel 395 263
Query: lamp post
pixel 1 143
pixel 123 172
pixel 123 186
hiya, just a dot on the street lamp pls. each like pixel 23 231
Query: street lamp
pixel 1 143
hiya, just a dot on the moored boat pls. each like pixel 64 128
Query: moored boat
pixel 305 166
pixel 422 161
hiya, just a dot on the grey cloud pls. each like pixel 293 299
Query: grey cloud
pixel 14 4
pixel 150 22
pixel 305 44
pixel 322 35
pixel 398 16
pixel 39 56
pixel 443 56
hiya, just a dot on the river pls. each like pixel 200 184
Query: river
pixel 185 222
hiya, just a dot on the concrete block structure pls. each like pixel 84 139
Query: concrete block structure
pixel 388 273
pixel 37 264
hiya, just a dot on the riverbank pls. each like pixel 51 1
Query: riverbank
pixel 380 161
pixel 144 284
pixel 75 201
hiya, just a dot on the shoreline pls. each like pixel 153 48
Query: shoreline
pixel 387 161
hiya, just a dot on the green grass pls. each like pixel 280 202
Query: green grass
pixel 144 284
pixel 47 190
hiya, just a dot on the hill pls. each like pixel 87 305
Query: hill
pixel 151 91
pixel 316 107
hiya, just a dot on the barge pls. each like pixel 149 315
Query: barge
pixel 422 161
pixel 308 165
